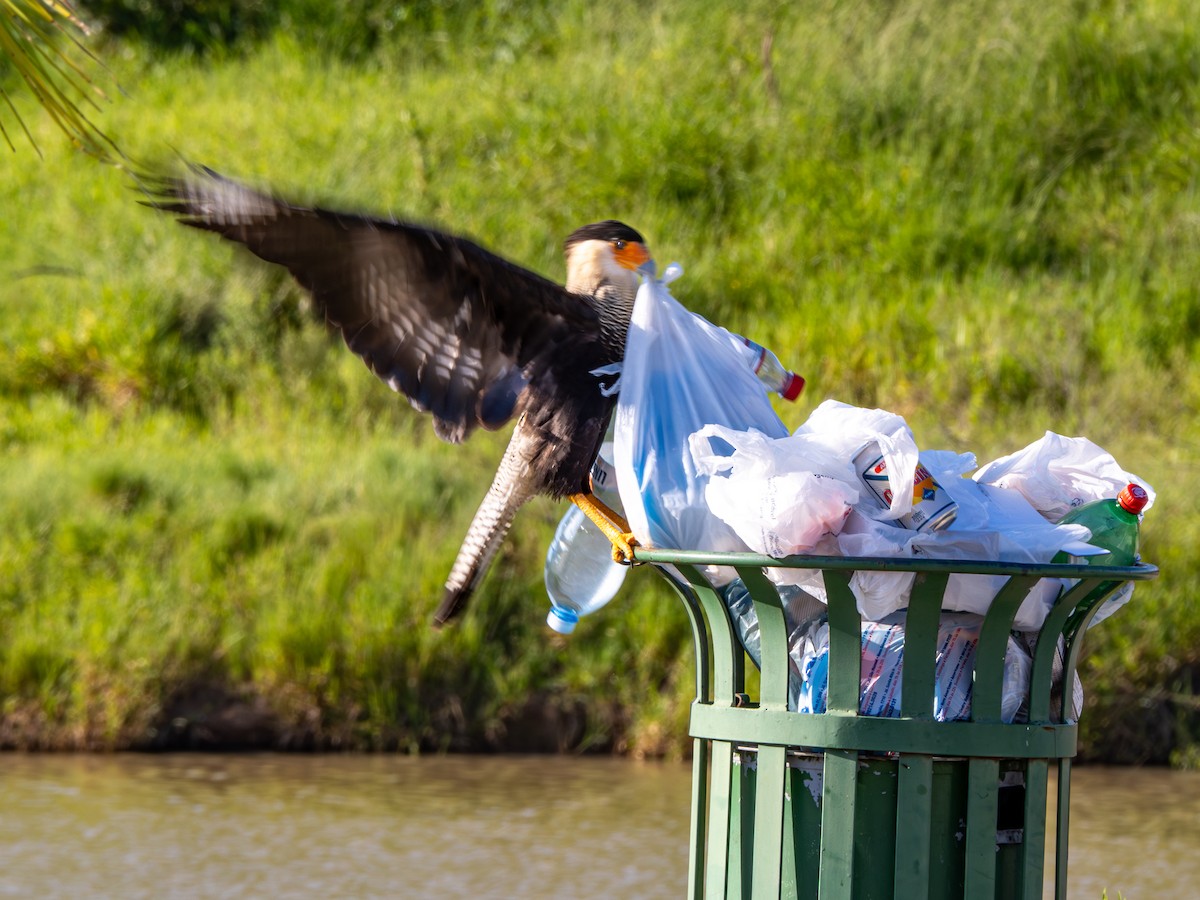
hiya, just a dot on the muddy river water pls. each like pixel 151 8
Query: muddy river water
pixel 461 826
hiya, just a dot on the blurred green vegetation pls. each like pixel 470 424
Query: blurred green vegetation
pixel 983 216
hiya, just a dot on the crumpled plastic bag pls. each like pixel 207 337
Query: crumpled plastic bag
pixel 680 373
pixel 992 524
pixel 1056 474
pixel 780 495
pixel 844 430
pixel 783 493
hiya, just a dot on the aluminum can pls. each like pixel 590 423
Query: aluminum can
pixel 932 507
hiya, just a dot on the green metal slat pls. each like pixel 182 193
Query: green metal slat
pixel 875 735
pixel 719 810
pixel 740 866
pixel 806 774
pixel 728 659
pixel 1041 675
pixel 1086 610
pixel 768 822
pixel 700 640
pixel 914 788
pixel 983 778
pixel 838 800
pixel 845 645
pixel 773 638
pixel 914 815
pixel 1033 843
pixel 699 818
pixel 1063 829
pixel 1075 629
pixel 788 884
pixel 920 644
pixel 987 691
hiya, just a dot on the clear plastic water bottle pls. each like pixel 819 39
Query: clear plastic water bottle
pixel 581 575
pixel 772 373
pixel 1113 524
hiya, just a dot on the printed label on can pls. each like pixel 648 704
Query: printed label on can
pixel 932 507
pixel 604 477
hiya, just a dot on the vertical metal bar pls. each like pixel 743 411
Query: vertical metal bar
pixel 740 866
pixel 1033 843
pixel 983 783
pixel 727 680
pixel 845 644
pixel 718 819
pixel 773 638
pixel 700 747
pixel 700 643
pixel 987 693
pixel 771 769
pixel 768 821
pixel 1073 633
pixel 1064 829
pixel 728 675
pixel 837 825
pixel 914 815
pixel 1042 674
pixel 703 647
pixel 920 644
pixel 699 818
pixel 914 788
pixel 839 795
pixel 788 887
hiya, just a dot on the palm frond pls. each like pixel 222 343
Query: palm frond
pixel 39 40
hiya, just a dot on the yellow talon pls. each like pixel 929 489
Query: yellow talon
pixel 611 523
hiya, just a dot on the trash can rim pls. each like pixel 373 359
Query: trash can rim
pixel 1138 572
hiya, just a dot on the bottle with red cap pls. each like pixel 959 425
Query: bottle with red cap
pixel 771 371
pixel 1113 524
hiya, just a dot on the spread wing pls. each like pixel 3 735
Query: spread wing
pixel 456 329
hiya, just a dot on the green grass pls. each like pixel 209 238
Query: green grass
pixel 982 216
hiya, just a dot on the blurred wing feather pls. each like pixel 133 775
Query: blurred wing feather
pixel 455 328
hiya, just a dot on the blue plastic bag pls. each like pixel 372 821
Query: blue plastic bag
pixel 680 374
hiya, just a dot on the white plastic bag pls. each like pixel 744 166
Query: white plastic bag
pixel 992 524
pixel 878 594
pixel 779 494
pixel 1056 474
pixel 998 525
pixel 680 374
pixel 844 430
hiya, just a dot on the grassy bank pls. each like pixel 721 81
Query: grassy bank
pixel 208 505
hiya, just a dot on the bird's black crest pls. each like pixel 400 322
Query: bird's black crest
pixel 608 230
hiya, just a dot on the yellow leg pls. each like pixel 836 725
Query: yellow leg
pixel 614 526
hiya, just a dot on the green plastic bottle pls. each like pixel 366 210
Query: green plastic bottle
pixel 1114 526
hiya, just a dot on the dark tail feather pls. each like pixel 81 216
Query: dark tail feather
pixel 509 491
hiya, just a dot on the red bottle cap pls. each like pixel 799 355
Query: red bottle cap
pixel 1133 498
pixel 794 386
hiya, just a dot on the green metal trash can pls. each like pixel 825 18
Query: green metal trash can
pixel 841 805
